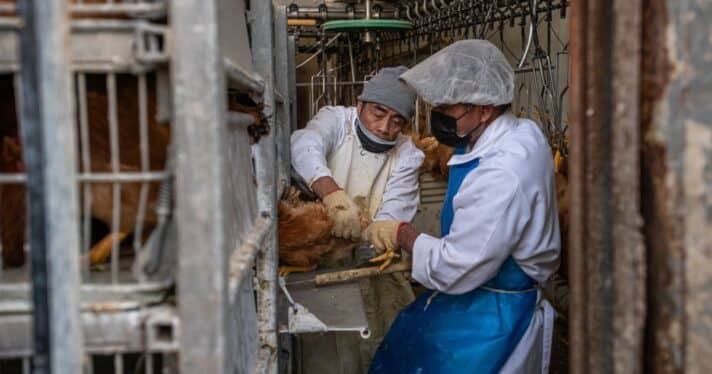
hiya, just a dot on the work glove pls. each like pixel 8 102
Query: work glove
pixel 344 213
pixel 383 235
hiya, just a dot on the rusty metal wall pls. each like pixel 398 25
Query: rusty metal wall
pixel 677 156
pixel 607 264
pixel 641 261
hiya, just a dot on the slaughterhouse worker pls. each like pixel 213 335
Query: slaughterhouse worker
pixel 500 238
pixel 349 154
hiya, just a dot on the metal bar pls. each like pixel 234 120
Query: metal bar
pixel 145 161
pixel 200 124
pixel 240 119
pixel 86 168
pixel 243 78
pixel 13 178
pixel 115 187
pixel 266 173
pixel 156 8
pixel 291 55
pixel 26 367
pixel 118 363
pixel 348 83
pixel 243 257
pixel 281 81
pixel 629 270
pixel 49 152
pixel 124 177
pixel 90 365
pixel 149 363
pixel 578 26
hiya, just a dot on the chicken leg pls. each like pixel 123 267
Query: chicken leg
pixel 286 270
pixel 101 251
pixel 386 258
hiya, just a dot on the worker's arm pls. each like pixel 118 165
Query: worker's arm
pixel 491 214
pixel 401 195
pixel 312 146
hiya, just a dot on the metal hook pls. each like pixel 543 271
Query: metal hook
pixel 531 35
pixel 407 13
pixel 425 8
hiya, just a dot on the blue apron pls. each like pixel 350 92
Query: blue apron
pixel 475 332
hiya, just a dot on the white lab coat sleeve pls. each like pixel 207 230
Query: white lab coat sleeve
pixel 491 214
pixel 312 145
pixel 401 195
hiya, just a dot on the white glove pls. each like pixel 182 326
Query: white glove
pixel 345 214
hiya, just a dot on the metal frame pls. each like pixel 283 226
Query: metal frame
pixel 199 102
pixel 49 153
pixel 607 263
pixel 267 170
pixel 209 141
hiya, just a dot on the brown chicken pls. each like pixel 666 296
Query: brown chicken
pixel 305 240
pixel 563 201
pixel 12 225
pixel 436 156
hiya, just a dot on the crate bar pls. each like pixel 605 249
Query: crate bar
pixel 149 363
pixel 145 161
pixel 200 124
pixel 118 363
pixel 86 168
pixel 156 9
pixel 266 173
pixel 115 187
pixel 50 154
pixel 291 53
pixel 242 78
pixel 281 82
pixel 13 178
pixel 125 177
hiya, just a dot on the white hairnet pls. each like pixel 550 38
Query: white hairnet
pixel 465 72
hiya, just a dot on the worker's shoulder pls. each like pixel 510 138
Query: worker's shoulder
pixel 525 142
pixel 406 151
pixel 523 152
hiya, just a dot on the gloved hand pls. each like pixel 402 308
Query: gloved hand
pixel 345 214
pixel 383 235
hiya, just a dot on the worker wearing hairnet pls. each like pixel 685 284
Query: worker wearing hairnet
pixel 356 160
pixel 483 312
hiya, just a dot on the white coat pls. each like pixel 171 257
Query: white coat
pixel 504 207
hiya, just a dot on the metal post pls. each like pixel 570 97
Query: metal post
pixel 200 102
pixel 291 55
pixel 266 169
pixel 49 144
pixel 281 81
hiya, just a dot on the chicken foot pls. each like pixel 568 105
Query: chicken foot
pixel 286 270
pixel 101 251
pixel 386 257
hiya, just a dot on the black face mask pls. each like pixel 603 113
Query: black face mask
pixel 371 142
pixel 444 128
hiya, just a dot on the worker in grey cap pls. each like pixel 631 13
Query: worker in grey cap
pixel 358 154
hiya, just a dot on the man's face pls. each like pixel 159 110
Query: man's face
pixel 381 120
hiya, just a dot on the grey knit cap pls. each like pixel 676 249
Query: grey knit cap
pixel 386 89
